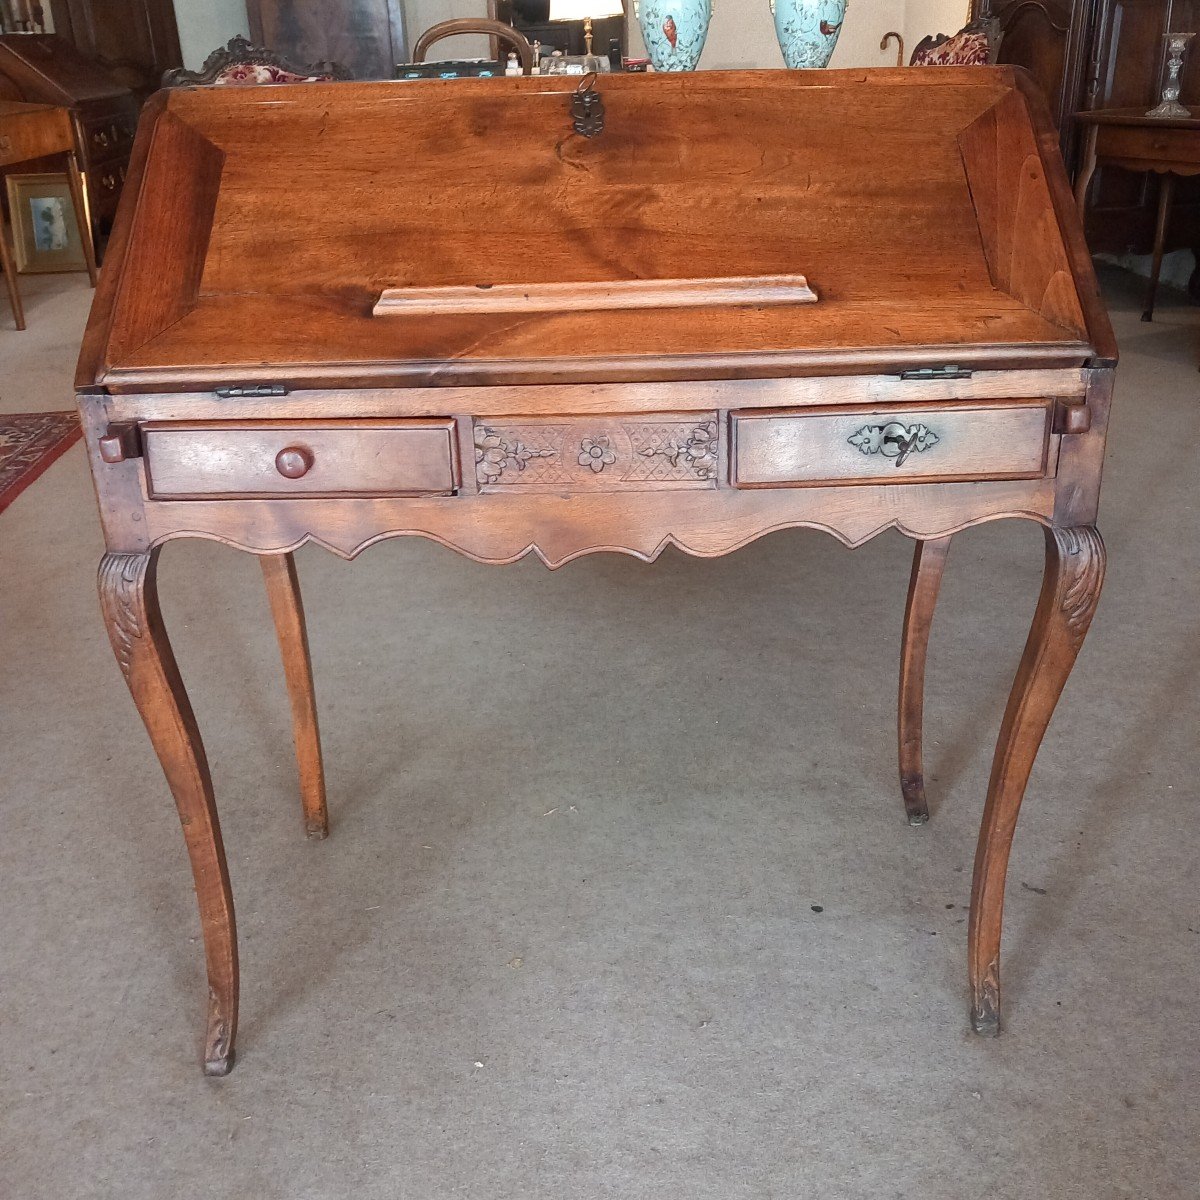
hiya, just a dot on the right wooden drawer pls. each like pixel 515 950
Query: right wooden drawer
pixel 945 443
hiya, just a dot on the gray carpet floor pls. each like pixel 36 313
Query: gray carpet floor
pixel 564 940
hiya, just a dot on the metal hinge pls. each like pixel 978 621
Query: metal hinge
pixel 251 392
pixel 926 374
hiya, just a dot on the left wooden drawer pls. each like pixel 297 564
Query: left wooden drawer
pixel 278 459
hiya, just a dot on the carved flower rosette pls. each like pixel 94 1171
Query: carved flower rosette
pixel 604 454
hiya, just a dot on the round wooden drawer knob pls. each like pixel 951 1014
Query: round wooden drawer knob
pixel 294 462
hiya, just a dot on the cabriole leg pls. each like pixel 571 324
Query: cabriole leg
pixel 129 600
pixel 929 563
pixel 287 608
pixel 1070 591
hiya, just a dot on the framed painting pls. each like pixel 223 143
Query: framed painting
pixel 45 232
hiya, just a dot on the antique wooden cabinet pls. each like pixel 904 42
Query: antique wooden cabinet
pixel 1106 54
pixel 43 68
pixel 520 317
pixel 135 41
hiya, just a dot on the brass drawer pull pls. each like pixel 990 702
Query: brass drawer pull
pixel 894 440
pixel 294 462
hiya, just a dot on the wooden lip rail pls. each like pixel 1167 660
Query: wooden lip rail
pixel 737 291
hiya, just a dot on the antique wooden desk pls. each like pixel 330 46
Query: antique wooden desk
pixel 33 131
pixel 1126 137
pixel 476 324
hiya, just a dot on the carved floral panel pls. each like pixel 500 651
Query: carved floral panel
pixel 669 451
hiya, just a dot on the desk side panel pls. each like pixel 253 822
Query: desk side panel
pixel 1017 223
pixel 170 236
pixel 156 257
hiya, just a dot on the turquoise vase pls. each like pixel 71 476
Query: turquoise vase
pixel 808 30
pixel 674 32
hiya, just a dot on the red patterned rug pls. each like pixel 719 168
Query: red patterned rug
pixel 29 443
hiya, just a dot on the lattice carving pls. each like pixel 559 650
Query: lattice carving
pixel 599 453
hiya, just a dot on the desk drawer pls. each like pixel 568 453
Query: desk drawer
pixel 299 458
pixel 109 136
pixel 34 135
pixel 1142 142
pixel 1005 440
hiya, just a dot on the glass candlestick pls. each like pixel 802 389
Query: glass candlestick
pixel 1177 44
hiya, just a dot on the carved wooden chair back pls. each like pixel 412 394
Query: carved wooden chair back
pixel 240 63
pixel 975 45
pixel 497 30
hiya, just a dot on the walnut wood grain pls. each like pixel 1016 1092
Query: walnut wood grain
pixel 907 280
pixel 172 227
pixel 1012 202
pixel 299 458
pixel 1075 562
pixel 929 564
pixel 287 610
pixel 824 446
pixel 866 389
pixel 1079 258
pixel 129 601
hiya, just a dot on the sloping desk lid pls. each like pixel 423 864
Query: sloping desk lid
pixel 927 210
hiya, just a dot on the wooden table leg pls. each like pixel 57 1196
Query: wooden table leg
pixel 129 600
pixel 1084 179
pixel 10 278
pixel 1166 191
pixel 287 608
pixel 929 563
pixel 1070 591
pixel 75 181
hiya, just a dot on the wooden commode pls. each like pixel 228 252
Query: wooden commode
pixel 518 317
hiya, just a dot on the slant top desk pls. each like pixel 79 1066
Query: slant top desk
pixel 519 317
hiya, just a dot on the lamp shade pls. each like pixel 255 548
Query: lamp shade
pixel 582 10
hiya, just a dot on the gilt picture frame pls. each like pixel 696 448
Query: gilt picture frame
pixel 45 232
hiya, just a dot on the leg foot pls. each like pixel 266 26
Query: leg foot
pixel 129 600
pixel 1070 592
pixel 929 564
pixel 915 805
pixel 985 1003
pixel 287 609
pixel 219 1055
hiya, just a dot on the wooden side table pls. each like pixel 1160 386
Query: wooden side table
pixel 30 131
pixel 1126 137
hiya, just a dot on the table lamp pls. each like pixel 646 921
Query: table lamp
pixel 585 11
